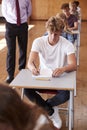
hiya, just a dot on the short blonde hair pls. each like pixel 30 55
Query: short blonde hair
pixel 54 24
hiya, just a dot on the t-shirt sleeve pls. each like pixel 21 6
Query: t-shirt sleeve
pixel 35 45
pixel 70 49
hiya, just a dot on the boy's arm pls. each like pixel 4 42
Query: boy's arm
pixel 32 63
pixel 71 66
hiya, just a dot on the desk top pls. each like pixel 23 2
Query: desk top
pixel 24 79
pixel 75 31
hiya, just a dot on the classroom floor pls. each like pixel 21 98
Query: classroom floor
pixel 37 28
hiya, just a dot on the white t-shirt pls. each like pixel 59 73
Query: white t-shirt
pixel 52 56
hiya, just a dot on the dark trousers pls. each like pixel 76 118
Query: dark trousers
pixel 21 33
pixel 59 98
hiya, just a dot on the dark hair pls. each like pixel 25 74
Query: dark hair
pixel 76 2
pixel 16 114
pixel 65 5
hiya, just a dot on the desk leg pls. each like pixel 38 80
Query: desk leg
pixel 71 110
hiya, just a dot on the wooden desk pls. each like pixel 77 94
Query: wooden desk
pixel 66 82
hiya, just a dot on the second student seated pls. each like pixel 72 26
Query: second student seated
pixel 72 23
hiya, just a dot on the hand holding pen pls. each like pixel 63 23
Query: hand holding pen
pixel 35 70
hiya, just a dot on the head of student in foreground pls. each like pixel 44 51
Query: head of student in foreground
pixel 54 28
pixel 15 114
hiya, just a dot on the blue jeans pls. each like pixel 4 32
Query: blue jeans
pixel 59 98
pixel 70 37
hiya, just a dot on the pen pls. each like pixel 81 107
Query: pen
pixel 34 65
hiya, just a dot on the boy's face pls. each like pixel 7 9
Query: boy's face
pixel 53 37
pixel 66 11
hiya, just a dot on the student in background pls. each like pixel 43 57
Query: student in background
pixel 72 22
pixel 16 16
pixel 57 53
pixel 78 6
pixel 15 114
pixel 62 16
pixel 79 13
pixel 73 9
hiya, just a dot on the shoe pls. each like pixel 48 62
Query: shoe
pixel 9 79
pixel 55 118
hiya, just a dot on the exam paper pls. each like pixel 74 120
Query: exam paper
pixel 45 74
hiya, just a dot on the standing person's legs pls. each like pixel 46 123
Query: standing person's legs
pixel 11 46
pixel 22 42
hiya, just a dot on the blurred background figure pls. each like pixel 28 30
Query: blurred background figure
pixel 72 23
pixel 62 16
pixel 73 9
pixel 78 6
pixel 79 13
pixel 15 114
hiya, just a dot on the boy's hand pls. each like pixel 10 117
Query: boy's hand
pixel 57 72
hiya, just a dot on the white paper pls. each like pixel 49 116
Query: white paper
pixel 45 74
